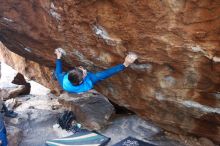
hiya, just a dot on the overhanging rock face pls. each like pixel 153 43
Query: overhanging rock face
pixel 176 81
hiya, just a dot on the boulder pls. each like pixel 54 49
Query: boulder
pixel 92 110
pixel 11 91
pixel 175 81
pixel 20 80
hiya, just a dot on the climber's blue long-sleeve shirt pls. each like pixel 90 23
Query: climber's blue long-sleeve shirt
pixel 89 81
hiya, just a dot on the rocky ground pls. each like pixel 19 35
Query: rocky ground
pixel 34 125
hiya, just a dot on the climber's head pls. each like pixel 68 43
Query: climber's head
pixel 76 75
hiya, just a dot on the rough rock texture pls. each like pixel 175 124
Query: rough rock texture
pixel 93 110
pixel 125 126
pixel 176 80
pixel 206 141
pixel 20 80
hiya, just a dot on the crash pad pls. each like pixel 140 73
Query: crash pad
pixel 82 138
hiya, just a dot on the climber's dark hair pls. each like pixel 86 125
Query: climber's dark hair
pixel 75 76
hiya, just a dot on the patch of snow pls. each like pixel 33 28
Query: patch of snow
pixel 193 104
pixel 7 73
pixel 36 87
pixel 4 85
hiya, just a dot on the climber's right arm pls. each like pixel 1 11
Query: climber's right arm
pixel 58 67
pixel 59 70
pixel 58 62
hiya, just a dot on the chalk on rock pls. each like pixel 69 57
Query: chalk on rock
pixel 61 50
pixel 133 55
pixel 216 59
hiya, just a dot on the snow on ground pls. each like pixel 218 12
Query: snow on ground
pixel 8 74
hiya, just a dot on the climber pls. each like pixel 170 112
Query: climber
pixel 3 134
pixel 78 80
pixel 4 111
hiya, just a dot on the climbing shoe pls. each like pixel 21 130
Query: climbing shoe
pixel 8 113
pixel 11 114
